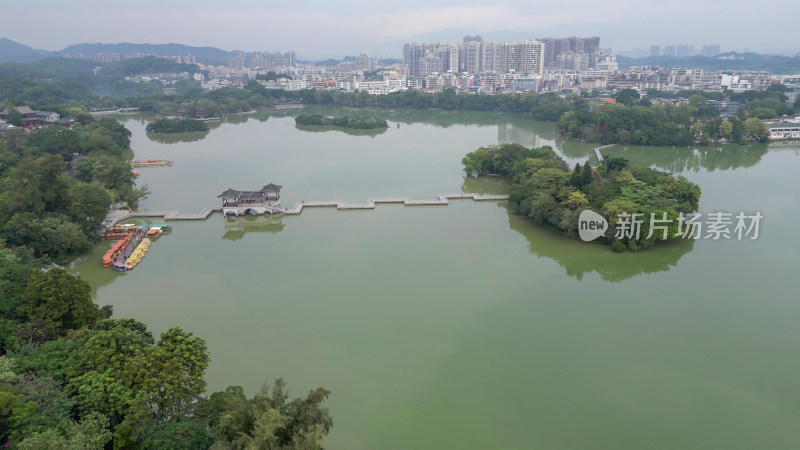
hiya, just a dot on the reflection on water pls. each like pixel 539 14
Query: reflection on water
pixel 511 128
pixel 237 227
pixel 578 257
pixel 675 160
pixel 173 138
pixel 352 132
pixel 511 134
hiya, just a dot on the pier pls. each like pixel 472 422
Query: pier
pixel 440 200
pixel 598 154
pixel 116 216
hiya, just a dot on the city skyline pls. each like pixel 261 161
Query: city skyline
pixel 319 30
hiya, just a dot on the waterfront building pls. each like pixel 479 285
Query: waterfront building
pixel 265 200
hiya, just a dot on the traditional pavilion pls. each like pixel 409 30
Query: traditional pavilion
pixel 266 200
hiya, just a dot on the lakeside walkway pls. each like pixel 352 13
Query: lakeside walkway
pixel 117 215
pixel 598 154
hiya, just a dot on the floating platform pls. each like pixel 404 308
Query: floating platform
pixel 150 163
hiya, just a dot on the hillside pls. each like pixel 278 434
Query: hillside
pixel 11 51
pixel 205 55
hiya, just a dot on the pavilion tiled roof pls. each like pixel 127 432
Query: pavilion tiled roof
pixel 251 195
pixel 230 193
pixel 272 187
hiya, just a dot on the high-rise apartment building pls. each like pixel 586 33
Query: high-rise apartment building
pixel 363 62
pixel 554 47
pixel 424 59
pixel 710 50
pixel 237 62
pixel 685 51
pixel 271 60
pixel 526 57
pixel 669 50
pixel 655 50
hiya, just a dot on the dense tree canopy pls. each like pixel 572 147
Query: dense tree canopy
pixel 546 191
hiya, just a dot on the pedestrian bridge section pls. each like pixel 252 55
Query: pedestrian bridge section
pixel 115 216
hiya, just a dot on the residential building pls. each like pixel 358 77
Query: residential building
pixel 237 62
pixel 685 51
pixel 655 50
pixel 710 50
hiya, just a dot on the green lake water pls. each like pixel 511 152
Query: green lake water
pixel 464 326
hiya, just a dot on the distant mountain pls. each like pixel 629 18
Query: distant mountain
pixel 11 51
pixel 205 55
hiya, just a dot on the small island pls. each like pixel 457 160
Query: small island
pixel 546 191
pixel 349 122
pixel 176 126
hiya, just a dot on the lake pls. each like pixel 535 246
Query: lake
pixel 463 326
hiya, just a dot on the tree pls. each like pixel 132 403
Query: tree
pixel 54 406
pixel 15 118
pixel 184 434
pixel 627 96
pixel 697 129
pixel 171 373
pixel 62 300
pixel 269 420
pixel 756 130
pixel 576 177
pixel 104 393
pixel 587 174
pixel 90 202
pixel 14 276
pixel 90 433
pixel 725 129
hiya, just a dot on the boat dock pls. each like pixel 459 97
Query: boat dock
pixel 440 200
pixel 150 163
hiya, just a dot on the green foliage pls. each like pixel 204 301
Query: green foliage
pixel 62 300
pixel 609 124
pixel 627 96
pixel 48 359
pixel 171 373
pixel 54 406
pixel 176 126
pixel 268 420
pixel 544 190
pixel 14 277
pixel 755 129
pixel 618 246
pixel 7 367
pixel 101 392
pixel 184 434
pixel 70 376
pixel 90 433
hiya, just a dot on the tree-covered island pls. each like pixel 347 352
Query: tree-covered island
pixel 349 122
pixel 546 191
pixel 176 126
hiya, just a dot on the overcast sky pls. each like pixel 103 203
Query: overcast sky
pixel 335 28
